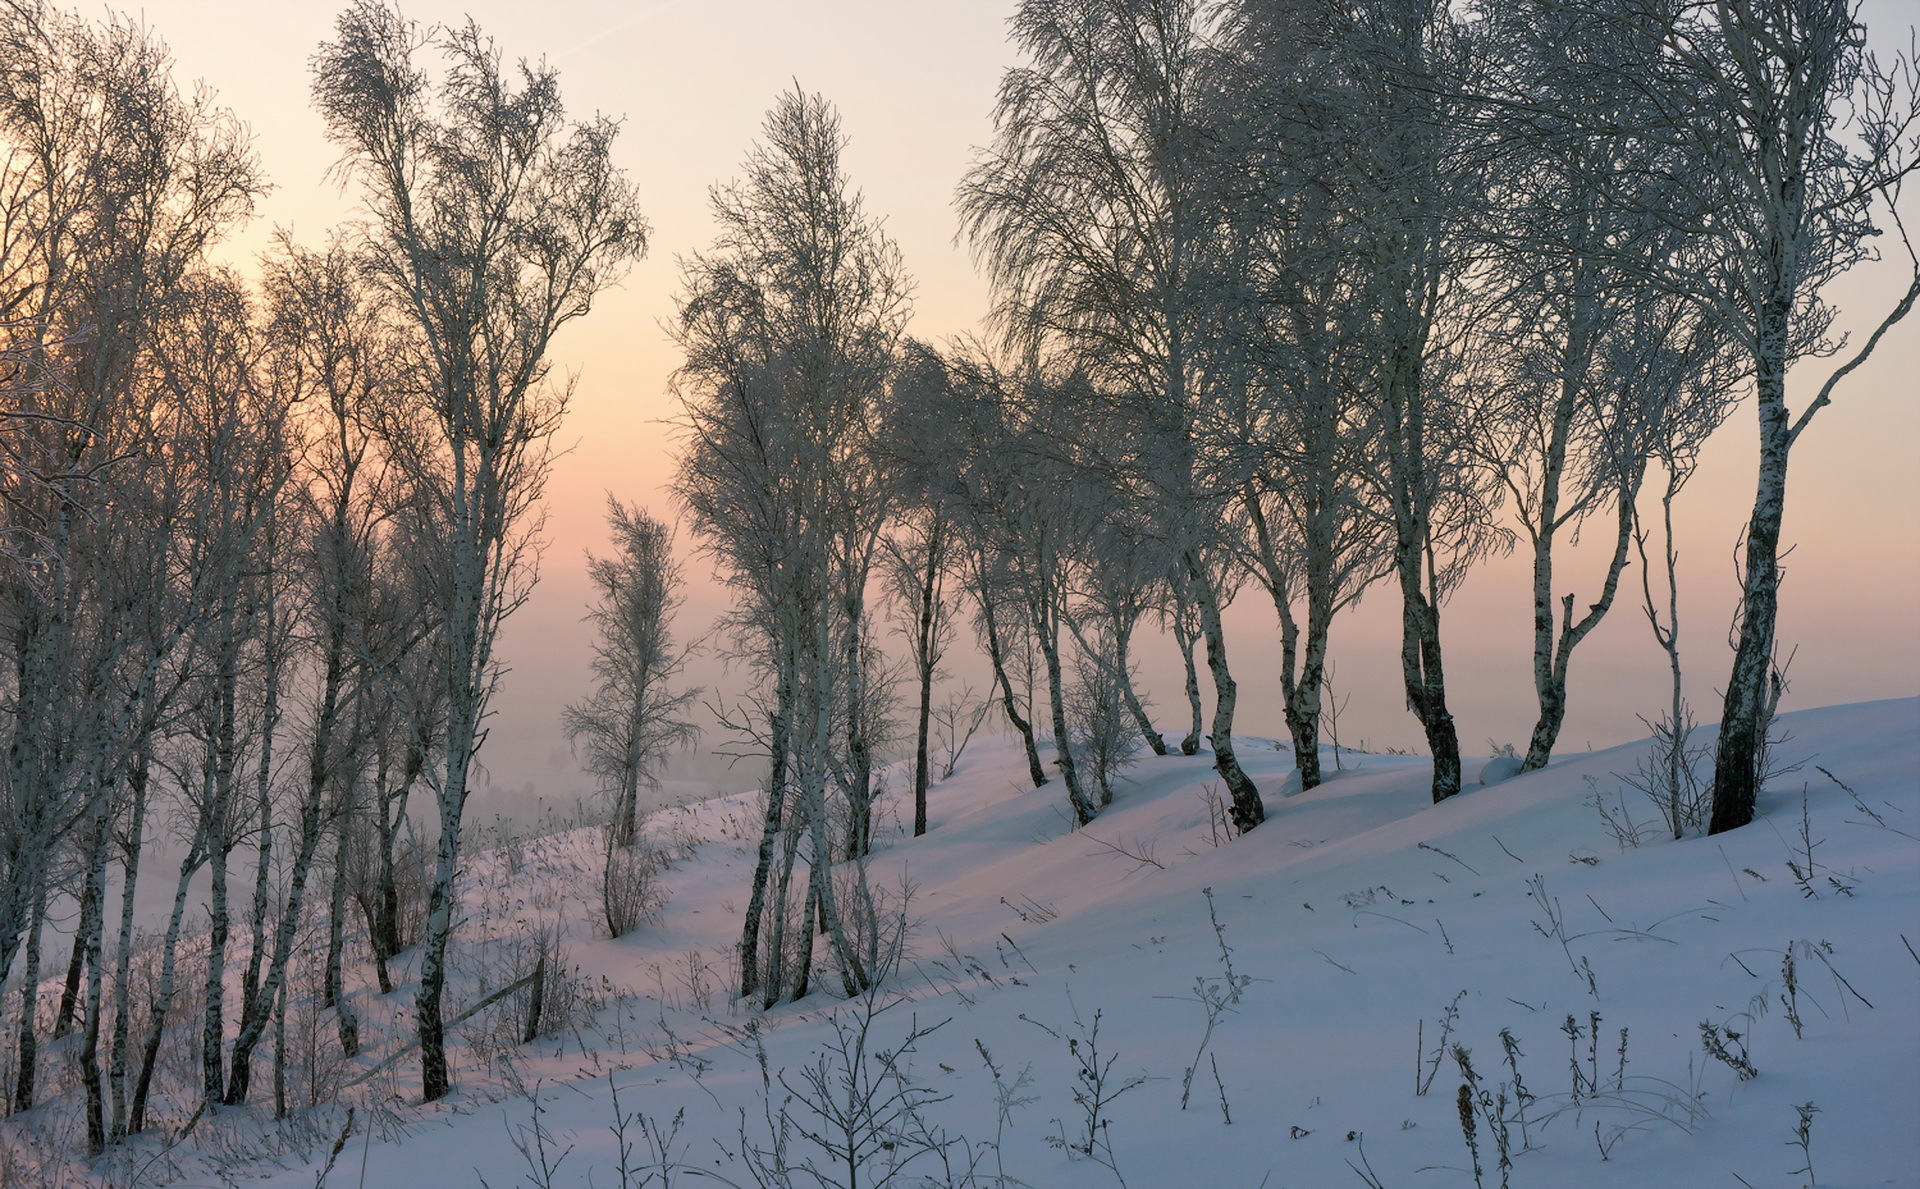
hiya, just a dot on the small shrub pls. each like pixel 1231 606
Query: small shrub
pixel 1104 737
pixel 630 891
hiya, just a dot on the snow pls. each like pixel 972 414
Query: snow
pixel 1353 917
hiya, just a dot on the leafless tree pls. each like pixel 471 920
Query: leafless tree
pixel 632 719
pixel 1304 329
pixel 1091 213
pixel 114 183
pixel 1804 143
pixel 791 323
pixel 1410 175
pixel 922 548
pixel 493 222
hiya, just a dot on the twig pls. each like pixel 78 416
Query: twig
pixel 1368 912
pixel 1348 969
pixel 1450 855
pixel 1731 874
pixel 1141 855
pixel 1226 1112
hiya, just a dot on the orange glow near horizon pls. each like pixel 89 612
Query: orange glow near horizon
pixel 914 82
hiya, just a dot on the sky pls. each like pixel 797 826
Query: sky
pixel 914 81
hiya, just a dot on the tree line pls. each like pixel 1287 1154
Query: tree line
pixel 1295 299
pixel 1298 298
pixel 259 536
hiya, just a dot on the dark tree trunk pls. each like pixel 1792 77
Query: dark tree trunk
pixel 163 992
pixel 1183 637
pixel 29 1046
pixel 771 830
pixel 1010 704
pixel 926 641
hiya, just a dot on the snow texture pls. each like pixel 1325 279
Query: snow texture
pixel 1356 915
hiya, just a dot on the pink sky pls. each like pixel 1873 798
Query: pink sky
pixel 914 81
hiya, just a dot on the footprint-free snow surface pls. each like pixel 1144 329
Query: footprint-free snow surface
pixel 1378 945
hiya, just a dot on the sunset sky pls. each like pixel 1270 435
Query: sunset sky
pixel 914 81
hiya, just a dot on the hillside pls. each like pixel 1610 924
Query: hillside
pixel 1362 927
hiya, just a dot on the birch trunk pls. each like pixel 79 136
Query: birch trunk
pixel 1246 809
pixel 1736 778
pixel 92 927
pixel 263 796
pixel 137 778
pixel 1551 684
pixel 163 992
pixel 771 830
pixel 336 990
pixel 1184 637
pixel 1047 633
pixel 29 1038
pixel 926 642
pixel 1122 638
pixel 1008 702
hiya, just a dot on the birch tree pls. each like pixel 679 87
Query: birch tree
pixel 1805 142
pixel 922 547
pixel 1411 174
pixel 1304 330
pixel 493 221
pixel 632 719
pixel 790 324
pixel 1092 215
pixel 115 184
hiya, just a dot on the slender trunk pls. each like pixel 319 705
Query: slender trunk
pixel 859 753
pixel 1184 638
pixel 451 800
pixel 775 982
pixel 1246 809
pixel 137 778
pixel 263 875
pixel 1122 637
pixel 1668 637
pixel 63 1020
pixel 1323 599
pixel 1553 691
pixel 434 1076
pixel 280 1052
pixel 336 946
pixel 771 828
pixel 1299 682
pixel 29 1046
pixel 219 782
pixel 1008 702
pixel 925 641
pixel 1303 708
pixel 1421 667
pixel 390 807
pixel 1042 613
pixel 163 992
pixel 803 961
pixel 92 926
pixel 213 1027
pixel 813 782
pixel 1406 457
pixel 1736 775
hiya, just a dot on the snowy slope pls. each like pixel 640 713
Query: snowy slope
pixel 1354 916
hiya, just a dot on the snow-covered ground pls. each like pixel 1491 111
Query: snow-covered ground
pixel 1362 927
